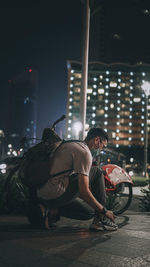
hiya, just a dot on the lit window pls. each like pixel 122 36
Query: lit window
pixel 113 84
pixel 143 73
pixel 112 105
pixel 94 86
pixel 72 78
pixel 131 73
pixel 86 126
pixel 119 72
pixel 101 91
pixel 89 91
pixel 113 135
pixel 107 72
pixel 123 85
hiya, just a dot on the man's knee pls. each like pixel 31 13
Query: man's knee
pixel 96 171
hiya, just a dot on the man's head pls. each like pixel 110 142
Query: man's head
pixel 97 138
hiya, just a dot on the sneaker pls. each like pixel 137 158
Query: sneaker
pixel 96 225
pixel 101 225
pixel 108 225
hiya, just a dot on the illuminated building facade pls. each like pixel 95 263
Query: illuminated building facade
pixel 115 100
pixel 22 119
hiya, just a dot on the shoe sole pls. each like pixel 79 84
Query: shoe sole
pixel 109 228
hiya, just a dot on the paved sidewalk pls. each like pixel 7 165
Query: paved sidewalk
pixel 71 243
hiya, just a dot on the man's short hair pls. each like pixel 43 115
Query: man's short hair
pixel 94 132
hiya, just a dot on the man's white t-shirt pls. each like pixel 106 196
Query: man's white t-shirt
pixel 74 156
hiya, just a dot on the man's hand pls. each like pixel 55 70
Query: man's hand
pixel 109 214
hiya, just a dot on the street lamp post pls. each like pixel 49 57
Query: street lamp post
pixel 85 66
pixel 146 89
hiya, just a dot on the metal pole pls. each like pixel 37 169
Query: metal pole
pixel 85 67
pixel 146 138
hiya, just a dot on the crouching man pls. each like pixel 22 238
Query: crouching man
pixel 79 193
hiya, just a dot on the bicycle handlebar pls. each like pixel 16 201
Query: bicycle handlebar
pixel 60 119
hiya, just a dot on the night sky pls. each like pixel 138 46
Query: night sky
pixel 44 37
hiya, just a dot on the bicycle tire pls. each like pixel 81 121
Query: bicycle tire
pixel 16 193
pixel 117 195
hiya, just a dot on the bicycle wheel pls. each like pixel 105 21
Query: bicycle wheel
pixel 119 200
pixel 16 193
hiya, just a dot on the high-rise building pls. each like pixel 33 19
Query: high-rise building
pixel 119 31
pixel 22 121
pixel 115 101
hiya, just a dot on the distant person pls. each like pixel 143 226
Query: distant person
pixel 79 193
